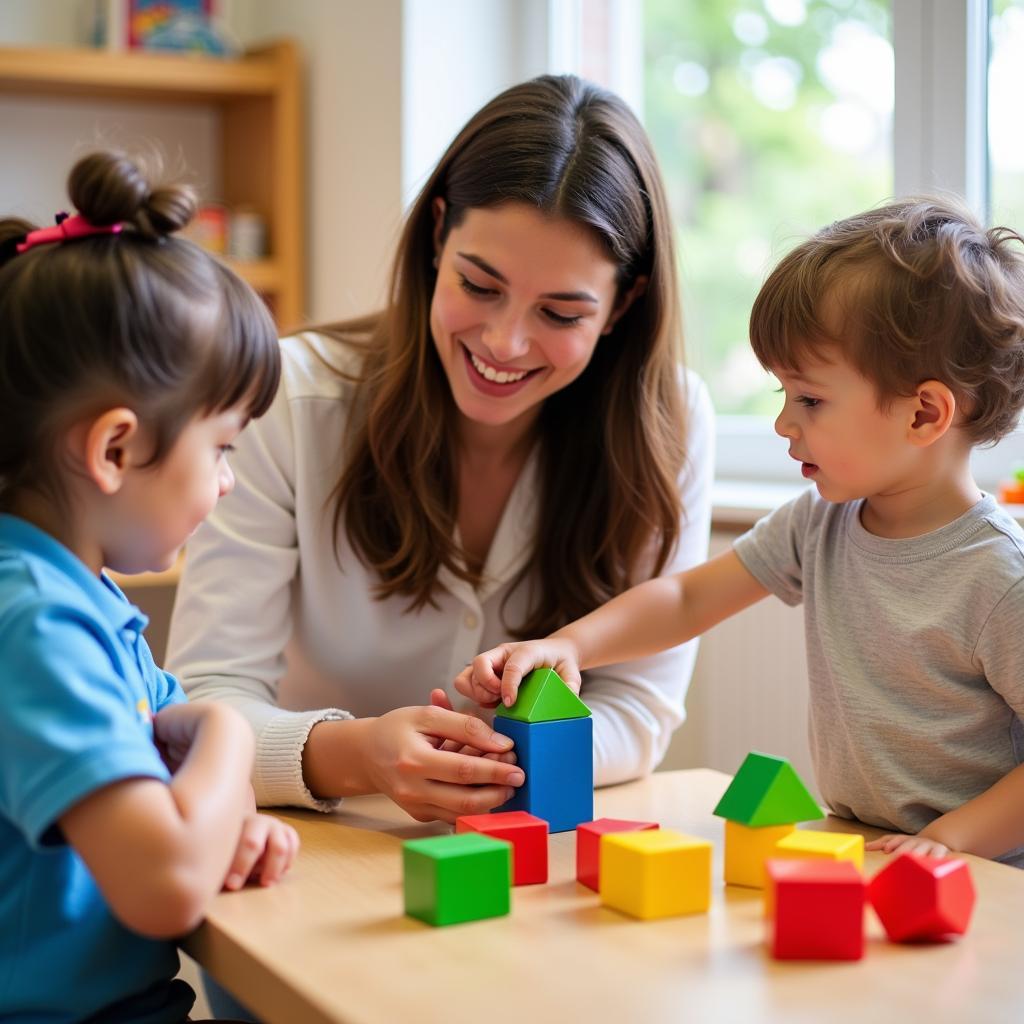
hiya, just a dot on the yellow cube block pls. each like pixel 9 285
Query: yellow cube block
pixel 824 845
pixel 657 873
pixel 746 850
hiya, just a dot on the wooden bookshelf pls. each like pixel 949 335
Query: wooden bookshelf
pixel 258 98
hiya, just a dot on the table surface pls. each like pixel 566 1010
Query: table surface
pixel 331 943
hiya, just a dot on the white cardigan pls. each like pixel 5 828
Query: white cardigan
pixel 266 620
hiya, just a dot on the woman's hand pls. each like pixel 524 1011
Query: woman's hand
pixel 415 757
pixel 265 851
pixel 494 676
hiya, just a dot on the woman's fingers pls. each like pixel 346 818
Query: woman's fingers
pixel 455 801
pixel 468 730
pixel 472 770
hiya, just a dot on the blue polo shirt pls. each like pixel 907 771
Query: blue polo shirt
pixel 77 687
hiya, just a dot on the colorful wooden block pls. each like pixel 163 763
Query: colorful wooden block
pixel 588 845
pixel 558 760
pixel 544 697
pixel 767 791
pixel 804 844
pixel 655 873
pixel 746 850
pixel 454 878
pixel 527 834
pixel 814 909
pixel 923 898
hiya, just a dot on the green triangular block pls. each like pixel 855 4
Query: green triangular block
pixel 544 697
pixel 767 791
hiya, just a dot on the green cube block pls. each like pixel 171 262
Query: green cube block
pixel 462 877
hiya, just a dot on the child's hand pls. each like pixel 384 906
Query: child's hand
pixel 920 843
pixel 175 728
pixel 265 851
pixel 494 676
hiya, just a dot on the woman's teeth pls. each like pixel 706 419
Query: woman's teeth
pixel 491 374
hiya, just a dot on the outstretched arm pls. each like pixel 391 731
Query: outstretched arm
pixel 650 617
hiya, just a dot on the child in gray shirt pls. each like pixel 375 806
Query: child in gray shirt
pixel 898 338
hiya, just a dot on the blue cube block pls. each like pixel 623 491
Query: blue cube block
pixel 558 759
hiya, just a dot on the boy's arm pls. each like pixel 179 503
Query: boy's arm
pixel 159 852
pixel 988 826
pixel 650 617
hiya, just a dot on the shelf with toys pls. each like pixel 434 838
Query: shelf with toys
pixel 258 102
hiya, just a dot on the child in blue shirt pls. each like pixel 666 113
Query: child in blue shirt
pixel 898 338
pixel 129 360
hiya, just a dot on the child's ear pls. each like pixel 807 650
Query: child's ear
pixel 103 447
pixel 933 407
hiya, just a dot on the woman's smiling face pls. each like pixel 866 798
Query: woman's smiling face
pixel 520 303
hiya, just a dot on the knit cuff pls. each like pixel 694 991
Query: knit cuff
pixel 277 779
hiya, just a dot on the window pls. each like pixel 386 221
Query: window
pixel 772 117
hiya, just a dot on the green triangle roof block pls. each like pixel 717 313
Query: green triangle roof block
pixel 544 697
pixel 767 791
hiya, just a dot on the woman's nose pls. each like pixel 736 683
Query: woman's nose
pixel 506 338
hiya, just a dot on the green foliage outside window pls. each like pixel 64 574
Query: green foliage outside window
pixel 770 118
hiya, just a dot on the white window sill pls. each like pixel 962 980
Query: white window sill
pixel 740 503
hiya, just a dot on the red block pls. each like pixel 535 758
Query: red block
pixel 588 845
pixel 528 835
pixel 921 898
pixel 816 909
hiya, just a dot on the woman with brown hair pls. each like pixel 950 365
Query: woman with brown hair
pixel 509 443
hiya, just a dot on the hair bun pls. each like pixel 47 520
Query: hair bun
pixel 109 188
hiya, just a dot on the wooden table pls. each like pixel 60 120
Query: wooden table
pixel 331 944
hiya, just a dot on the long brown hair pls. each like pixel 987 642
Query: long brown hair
pixel 611 442
pixel 140 319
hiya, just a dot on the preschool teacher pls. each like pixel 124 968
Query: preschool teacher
pixel 506 445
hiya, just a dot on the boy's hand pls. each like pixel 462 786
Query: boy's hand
pixel 920 843
pixel 494 676
pixel 265 851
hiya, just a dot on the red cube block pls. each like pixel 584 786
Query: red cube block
pixel 815 909
pixel 528 835
pixel 921 898
pixel 588 845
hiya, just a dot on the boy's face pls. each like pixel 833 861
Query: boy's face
pixel 845 443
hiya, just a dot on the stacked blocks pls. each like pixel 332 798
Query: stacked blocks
pixel 655 873
pixel 815 909
pixel 455 878
pixel 762 804
pixel 921 898
pixel 821 846
pixel 554 743
pixel 588 845
pixel 746 850
pixel 527 834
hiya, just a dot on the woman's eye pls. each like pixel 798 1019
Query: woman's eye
pixel 561 321
pixel 225 449
pixel 473 289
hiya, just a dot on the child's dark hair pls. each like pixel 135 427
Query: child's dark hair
pixel 138 319
pixel 911 291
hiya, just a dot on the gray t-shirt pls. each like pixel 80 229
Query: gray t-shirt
pixel 915 652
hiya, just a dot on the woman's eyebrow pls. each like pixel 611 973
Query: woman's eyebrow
pixel 497 275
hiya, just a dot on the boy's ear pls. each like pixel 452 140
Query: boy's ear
pixel 102 447
pixel 933 407
pixel 628 297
